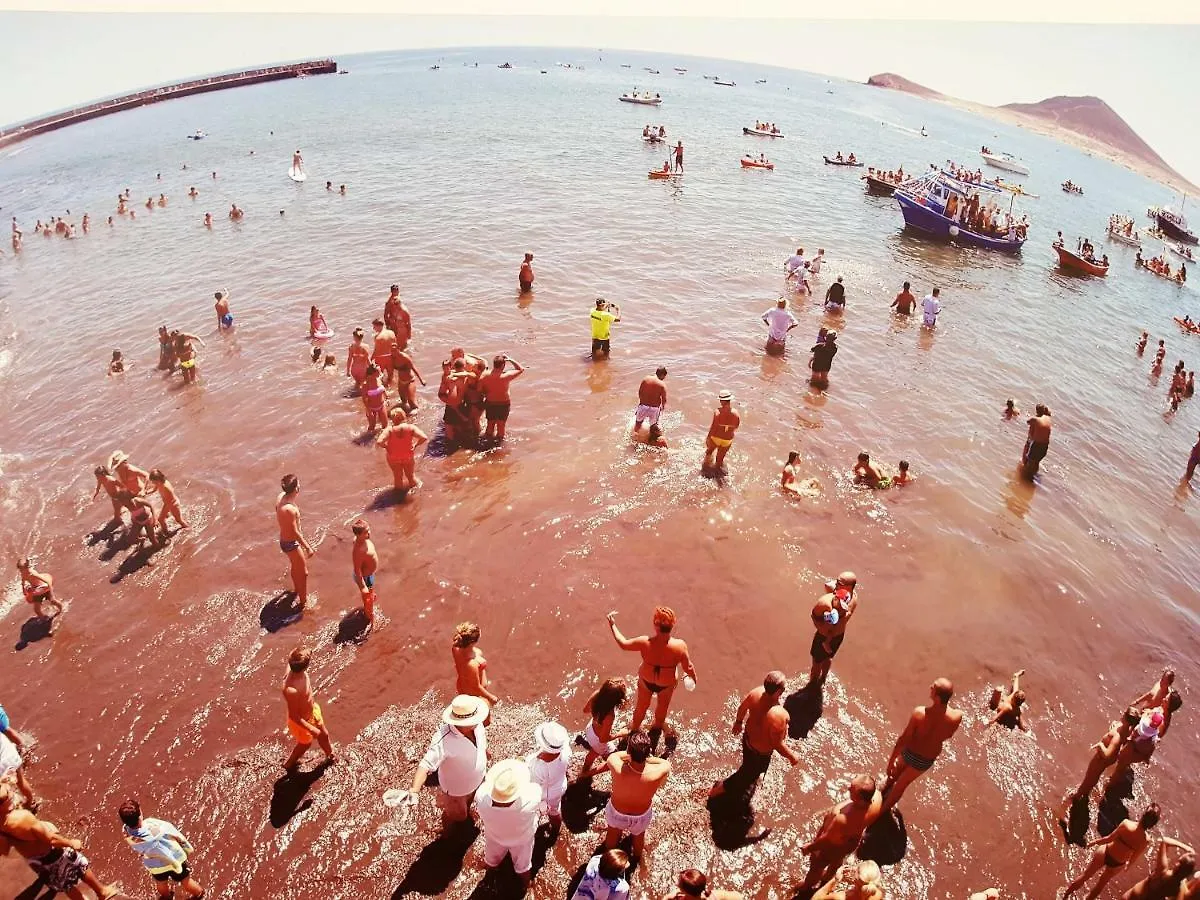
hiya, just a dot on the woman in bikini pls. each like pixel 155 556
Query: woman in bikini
pixel 1104 754
pixel 1123 844
pixel 662 655
pixel 599 736
pixel 401 440
pixel 142 520
pixel 1166 881
pixel 374 397
pixel 405 370
pixel 470 667
pixel 187 355
pixel 358 358
pixel 107 483
pixel 38 589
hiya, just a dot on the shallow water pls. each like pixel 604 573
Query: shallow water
pixel 161 681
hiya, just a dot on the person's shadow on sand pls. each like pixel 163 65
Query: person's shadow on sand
pixel 500 883
pixel 352 629
pixel 35 629
pixel 34 892
pixel 580 804
pixel 1112 809
pixel 289 796
pixel 731 816
pixel 886 841
pixel 439 863
pixel 387 498
pixel 280 611
pixel 107 532
pixel 139 559
pixel 805 707
pixel 1075 823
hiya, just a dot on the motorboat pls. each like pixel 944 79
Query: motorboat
pixel 650 71
pixel 923 203
pixel 724 83
pixel 1174 225
pixel 751 163
pixel 504 66
pixel 1072 188
pixel 1181 250
pixel 680 71
pixel 842 162
pixel 1129 240
pixel 1075 263
pixel 1005 161
pixel 198 135
pixel 645 99
pixel 758 132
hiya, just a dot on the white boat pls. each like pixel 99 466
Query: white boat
pixel 725 83
pixel 198 136
pixel 760 133
pixel 1122 238
pixel 680 70
pixel 1180 250
pixel 645 99
pixel 1005 161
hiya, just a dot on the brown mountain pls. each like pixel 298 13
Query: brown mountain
pixel 899 83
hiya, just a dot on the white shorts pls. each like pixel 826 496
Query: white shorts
pixel 522 854
pixel 552 801
pixel 648 413
pixel 10 758
pixel 604 751
pixel 634 825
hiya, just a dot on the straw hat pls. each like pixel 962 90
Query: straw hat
pixel 118 457
pixel 466 711
pixel 550 737
pixel 506 779
pixel 725 396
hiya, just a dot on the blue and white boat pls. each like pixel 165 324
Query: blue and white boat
pixel 923 202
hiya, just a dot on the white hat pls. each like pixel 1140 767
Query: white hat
pixel 466 710
pixel 551 737
pixel 506 779
pixel 118 457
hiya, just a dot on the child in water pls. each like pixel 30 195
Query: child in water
pixel 316 324
pixel 330 366
pixel 224 316
pixel 117 366
pixel 316 356
pixel 170 501
pixel 1010 410
pixel 902 476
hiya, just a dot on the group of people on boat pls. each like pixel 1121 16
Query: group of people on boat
pixel 766 126
pixel 962 173
pixel 1071 188
pixel 1085 250
pixel 896 177
pixel 1122 225
pixel 760 161
pixel 655 133
pixel 1160 267
pixel 849 159
pixel 985 219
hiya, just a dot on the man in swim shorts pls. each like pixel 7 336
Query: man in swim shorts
pixel 1038 441
pixel 905 301
pixel 602 318
pixel 830 616
pixel 823 353
pixel 662 655
pixel 636 778
pixel 679 156
pixel 652 400
pixel 724 425
pixel 835 296
pixel 841 831
pixel 525 276
pixel 496 401
pixel 304 720
pixel 55 859
pixel 1120 847
pixel 779 322
pixel 765 723
pixel 224 316
pixel 919 745
pixel 163 849
pixel 366 563
pixel 385 348
pixel 397 318
pixel 291 539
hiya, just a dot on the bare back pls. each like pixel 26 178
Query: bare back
pixel 297 693
pixel 652 392
pixel 766 723
pixel 661 659
pixel 634 786
pixel 931 727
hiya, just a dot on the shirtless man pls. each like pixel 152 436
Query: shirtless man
pixel 385 347
pixel 304 719
pixel 366 562
pixel 636 777
pixel 470 666
pixel 905 301
pixel 234 213
pixel 130 476
pixel 1141 344
pixel 1127 841
pixel 662 655
pixel 186 354
pixel 841 831
pixel 525 275
pixel 494 389
pixel 765 723
pixel 830 616
pixel 396 317
pixel 1008 706
pixel 652 400
pixel 55 859
pixel 920 743
pixel 224 316
pixel 724 425
pixel 1038 442
pixel 867 472
pixel 38 589
pixel 291 539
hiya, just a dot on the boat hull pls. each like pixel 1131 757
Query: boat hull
pixel 1124 239
pixel 933 223
pixel 757 133
pixel 1170 229
pixel 879 188
pixel 1008 165
pixel 834 162
pixel 750 164
pixel 640 101
pixel 1070 261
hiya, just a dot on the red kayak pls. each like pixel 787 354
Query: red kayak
pixel 755 164
pixel 1069 260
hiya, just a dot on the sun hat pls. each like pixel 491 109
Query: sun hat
pixel 466 710
pixel 725 396
pixel 550 737
pixel 506 779
pixel 119 457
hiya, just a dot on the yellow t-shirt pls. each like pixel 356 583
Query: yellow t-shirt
pixel 601 324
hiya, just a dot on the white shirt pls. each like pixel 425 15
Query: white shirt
pixel 795 263
pixel 459 763
pixel 511 825
pixel 779 321
pixel 932 307
pixel 815 265
pixel 550 775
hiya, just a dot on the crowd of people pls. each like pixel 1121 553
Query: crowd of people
pixel 1161 267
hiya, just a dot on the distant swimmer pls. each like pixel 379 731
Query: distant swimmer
pixel 636 778
pixel 788 482
pixel 397 317
pixel 823 353
pixel 920 744
pixel 721 431
pixel 869 473
pixel 470 665
pixel 679 156
pixel 401 439
pixel 525 275
pixel 830 615
pixel 762 723
pixel 652 400
pixel 599 736
pixel 193 193
pixel 116 365
pixel 297 161
pixel 358 357
pixel 292 541
pixel 930 307
pixel 1038 442
pixel 383 355
pixel 835 296
pixel 38 589
pixel 342 190
pixel 905 301
pixel 86 223
pixel 779 321
pixel 365 560
pixel 603 317
pixel 1010 409
pixel 494 388
pixel 304 719
pixel 224 316
pixel 329 185
pixel 170 500
pixel 162 200
pixel 902 475
pixel 841 831
pixel 662 657
pixel 1009 706
pixel 1120 847
pixel 208 220
pixel 234 213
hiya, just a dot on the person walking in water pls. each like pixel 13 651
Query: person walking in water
pixel 163 849
pixel 1038 441
pixel 397 318
pixel 304 719
pixel 494 389
pixel 525 275
pixel 636 778
pixel 365 560
pixel 762 723
pixel 509 808
pixel 652 400
pixel 930 307
pixel 841 831
pixel 679 156
pixel 662 656
pixel 724 425
pixel 401 439
pixel 292 541
pixel 779 322
pixel 603 317
pixel 38 589
pixel 458 753
pixel 1121 846
pixel 830 616
pixel 920 744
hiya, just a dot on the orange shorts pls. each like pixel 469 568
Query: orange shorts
pixel 302 734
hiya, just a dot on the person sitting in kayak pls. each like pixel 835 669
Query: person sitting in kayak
pixel 839 156
pixel 646 131
pixel 851 160
pixel 667 167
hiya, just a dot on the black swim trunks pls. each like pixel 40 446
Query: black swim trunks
pixel 497 412
pixel 818 648
pixel 174 876
pixel 598 344
pixel 754 765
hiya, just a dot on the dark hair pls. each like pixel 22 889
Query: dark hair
pixel 613 864
pixel 130 813
pixel 639 746
pixel 863 787
pixel 661 371
pixel 378 322
pixel 358 332
pixel 903 465
pixel 394 287
pixel 693 882
pixel 943 689
pixel 372 369
pixel 906 285
pixel 1149 817
pixel 774 682
pixel 864 456
pixel 1174 700
pixel 101 470
pixel 792 457
pixel 359 526
pixel 157 475
pixel 316 353
pixel 299 659
pixel 289 483
pixel 466 634
pixel 607 698
pixel 1184 868
pixel 1018 699
pixel 498 362
pixel 1131 716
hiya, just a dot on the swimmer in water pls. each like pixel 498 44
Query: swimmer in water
pixel 868 473
pixel 193 193
pixel 162 199
pixel 117 366
pixel 809 487
pixel 107 483
pixel 342 190
pixel 329 185
pixel 170 501
pixel 402 439
pixel 1010 410
pixel 38 589
pixel 1141 344
pixel 224 316
pixel 1008 707
pixel 234 213
pixel 902 476
pixel 358 357
pixel 329 367
pixel 315 356
pixel 292 542
pixel 365 560
pixel 208 220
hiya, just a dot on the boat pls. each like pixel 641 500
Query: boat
pixel 725 83
pixel 680 71
pixel 1189 327
pixel 198 135
pixel 1070 188
pixel 1181 250
pixel 343 71
pixel 653 139
pixel 923 202
pixel 644 99
pixel 543 71
pixel 434 68
pixel 760 133
pixel 650 71
pixel 504 66
pixel 1072 262
pixel 761 81
pixel 878 187
pixel 748 163
pixel 1173 277
pixel 1174 225
pixel 658 174
pixel 1128 240
pixel 1005 161
pixel 841 162
pixel 623 65
pixel 711 77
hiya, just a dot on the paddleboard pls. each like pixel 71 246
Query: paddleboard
pixel 296 174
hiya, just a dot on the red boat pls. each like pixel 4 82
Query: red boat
pixel 1068 260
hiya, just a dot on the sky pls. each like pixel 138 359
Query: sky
pixel 1146 72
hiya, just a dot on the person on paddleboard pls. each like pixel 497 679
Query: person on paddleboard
pixel 297 162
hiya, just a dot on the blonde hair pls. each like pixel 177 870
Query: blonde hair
pixel 466 634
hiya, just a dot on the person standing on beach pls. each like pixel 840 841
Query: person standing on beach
pixel 385 348
pixel 652 400
pixel 163 849
pixel 636 778
pixel 304 719
pixel 603 317
pixel 920 744
pixel 662 656
pixel 470 666
pixel 525 276
pixel 1121 846
pixel 397 318
pixel 779 322
pixel 930 308
pixel 224 316
pixel 830 616
pixel 762 723
pixel 292 541
pixel 107 483
pixel 1193 459
pixel 458 753
pixel 1038 441
pixel 905 301
pixel 725 423
pixel 679 156
pixel 494 389
pixel 365 561
pixel 55 859
pixel 170 500
pixel 841 831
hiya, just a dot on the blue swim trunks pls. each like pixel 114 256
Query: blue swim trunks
pixel 368 580
pixel 4 723
pixel 227 320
